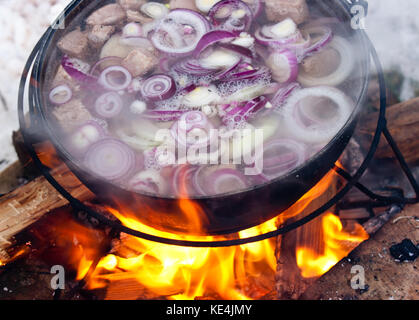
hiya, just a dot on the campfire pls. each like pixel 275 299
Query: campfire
pixel 120 266
pixel 100 196
pixel 189 273
pixel 110 262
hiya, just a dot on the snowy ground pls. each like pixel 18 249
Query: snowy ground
pixel 22 22
pixel 392 25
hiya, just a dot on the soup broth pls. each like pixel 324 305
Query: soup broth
pixel 200 98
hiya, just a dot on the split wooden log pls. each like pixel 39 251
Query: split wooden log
pixel 290 283
pixel 403 124
pixel 28 203
pixel 385 278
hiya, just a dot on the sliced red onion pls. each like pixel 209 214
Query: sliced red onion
pixel 132 29
pixel 192 67
pixel 165 157
pixel 182 180
pixel 109 105
pixel 193 119
pixel 342 72
pixel 205 5
pixel 272 41
pixel 226 180
pixel 232 15
pixel 244 40
pixel 84 136
pixel 155 10
pixel 247 93
pixel 139 135
pixel 284 30
pixel 149 181
pixel 191 125
pixel 115 78
pixel 110 159
pixel 326 35
pixel 218 180
pixel 226 72
pixel 78 70
pixel 283 92
pixel 107 61
pixel 238 49
pixel 306 124
pixel 241 112
pixel 158 87
pixel 197 180
pixel 211 38
pixel 150 161
pixel 284 65
pixel 244 66
pixel 219 59
pixel 201 96
pixel 60 94
pixel 300 46
pixel 163 115
pixel 170 37
pixel 189 88
pixel 253 75
pixel 281 156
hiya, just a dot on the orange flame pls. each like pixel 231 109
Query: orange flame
pixel 337 244
pixel 186 273
pixel 182 272
pixel 19 252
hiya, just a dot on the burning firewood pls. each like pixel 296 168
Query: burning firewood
pixel 290 282
pixel 370 272
pixel 27 204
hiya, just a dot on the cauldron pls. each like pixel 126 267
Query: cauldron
pixel 224 213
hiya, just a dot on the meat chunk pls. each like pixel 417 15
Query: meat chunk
pixel 62 77
pixel 72 114
pixel 139 62
pixel 108 15
pixel 137 16
pixel 98 35
pixel 187 4
pixel 322 63
pixel 278 10
pixel 75 44
pixel 131 4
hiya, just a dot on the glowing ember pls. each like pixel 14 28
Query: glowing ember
pixel 19 252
